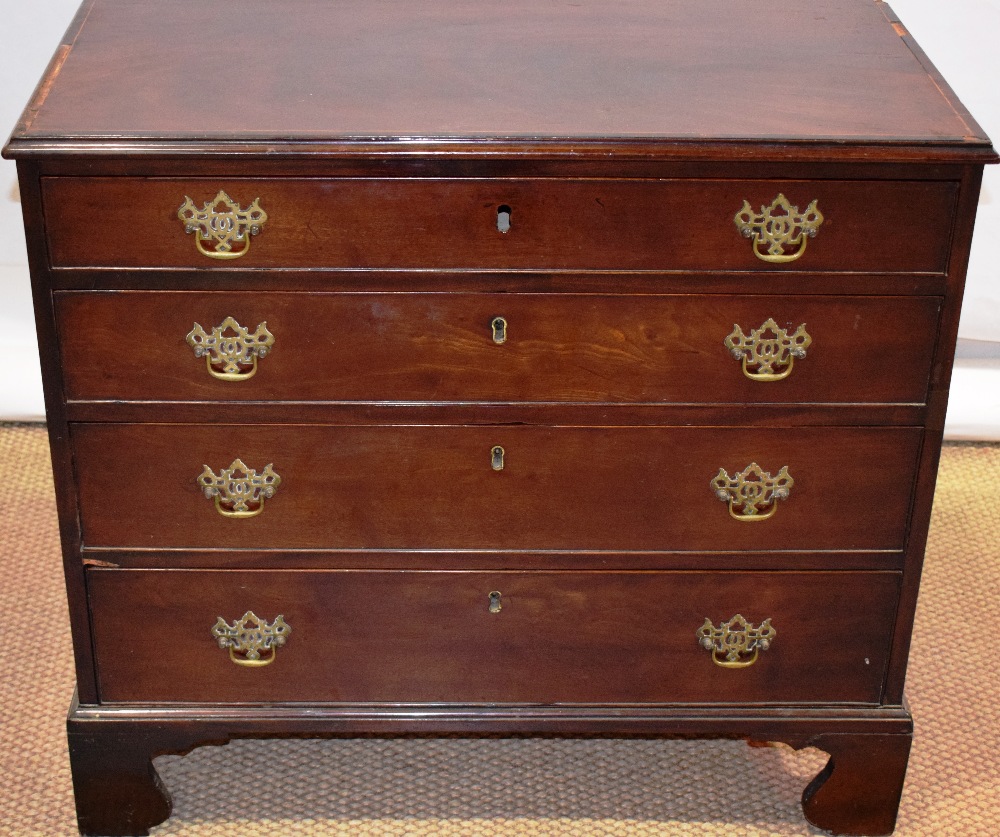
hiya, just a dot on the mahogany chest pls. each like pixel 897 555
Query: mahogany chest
pixel 450 367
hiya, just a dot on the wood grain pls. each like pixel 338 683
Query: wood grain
pixel 382 138
pixel 430 637
pixel 426 487
pixel 893 226
pixel 440 69
pixel 440 348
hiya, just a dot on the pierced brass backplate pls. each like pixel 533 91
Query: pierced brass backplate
pixel 768 352
pixel 735 639
pixel 251 641
pixel 220 224
pixel 239 491
pixel 230 350
pixel 780 227
pixel 753 493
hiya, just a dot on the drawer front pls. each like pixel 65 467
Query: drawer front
pixel 495 347
pixel 891 226
pixel 504 487
pixel 542 637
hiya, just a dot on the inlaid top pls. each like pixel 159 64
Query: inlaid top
pixel 307 70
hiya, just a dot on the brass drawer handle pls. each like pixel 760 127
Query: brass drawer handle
pixel 239 491
pixel 496 458
pixel 230 350
pixel 251 641
pixel 779 226
pixel 768 352
pixel 752 491
pixel 735 639
pixel 499 328
pixel 221 223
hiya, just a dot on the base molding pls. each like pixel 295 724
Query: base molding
pixel 118 791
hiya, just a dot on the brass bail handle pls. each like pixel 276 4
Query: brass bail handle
pixel 230 350
pixel 239 491
pixel 752 494
pixel 252 641
pixel 222 223
pixel 780 228
pixel 768 353
pixel 736 643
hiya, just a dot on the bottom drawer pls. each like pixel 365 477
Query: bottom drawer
pixel 490 637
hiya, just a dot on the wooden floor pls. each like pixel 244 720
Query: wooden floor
pixel 513 786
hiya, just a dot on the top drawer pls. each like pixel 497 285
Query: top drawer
pixel 524 224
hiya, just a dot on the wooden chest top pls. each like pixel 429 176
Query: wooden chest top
pixel 434 72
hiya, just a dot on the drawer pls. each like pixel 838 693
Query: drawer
pixel 492 487
pixel 891 226
pixel 440 637
pixel 494 347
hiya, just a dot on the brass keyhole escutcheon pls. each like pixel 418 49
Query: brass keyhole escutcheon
pixel 499 328
pixel 495 603
pixel 503 218
pixel 496 458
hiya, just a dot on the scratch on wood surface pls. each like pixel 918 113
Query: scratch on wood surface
pixel 94 562
pixel 43 89
pixel 55 65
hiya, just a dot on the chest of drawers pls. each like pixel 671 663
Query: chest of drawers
pixel 447 368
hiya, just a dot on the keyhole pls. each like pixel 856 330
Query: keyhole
pixel 503 218
pixel 499 326
pixel 497 458
pixel 495 604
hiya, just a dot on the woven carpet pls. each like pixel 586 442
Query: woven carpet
pixel 518 786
